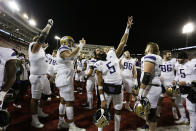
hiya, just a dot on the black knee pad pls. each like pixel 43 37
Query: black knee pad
pixel 44 97
pixel 152 115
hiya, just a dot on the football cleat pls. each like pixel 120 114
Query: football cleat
pixel 142 107
pixel 37 124
pixel 62 124
pixel 182 121
pixel 101 118
pixel 67 40
pixel 75 128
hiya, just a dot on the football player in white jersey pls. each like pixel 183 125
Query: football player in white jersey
pixel 181 75
pixel 81 65
pixel 51 59
pixel 150 81
pixel 191 98
pixel 7 78
pixel 40 87
pixel 129 75
pixel 64 80
pixel 109 78
pixel 90 82
pixel 167 77
pixel 7 71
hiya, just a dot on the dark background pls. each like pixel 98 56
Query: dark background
pixel 104 22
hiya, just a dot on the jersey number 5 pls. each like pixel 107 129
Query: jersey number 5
pixel 183 75
pixel 111 68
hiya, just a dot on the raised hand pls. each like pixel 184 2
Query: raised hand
pixel 50 22
pixel 130 21
pixel 83 41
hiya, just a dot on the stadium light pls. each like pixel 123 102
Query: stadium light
pixel 32 22
pixel 13 6
pixel 188 29
pixel 57 37
pixel 25 16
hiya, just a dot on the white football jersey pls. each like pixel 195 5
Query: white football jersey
pixel 38 62
pixel 157 60
pixel 192 67
pixel 80 64
pixel 111 55
pixel 90 63
pixel 127 67
pixel 51 64
pixel 51 60
pixel 5 55
pixel 110 69
pixel 64 68
pixel 167 70
pixel 66 63
pixel 183 72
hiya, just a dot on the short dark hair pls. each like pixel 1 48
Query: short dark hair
pixel 182 55
pixel 165 52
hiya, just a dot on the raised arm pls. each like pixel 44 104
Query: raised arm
pixel 41 39
pixel 124 38
pixel 68 54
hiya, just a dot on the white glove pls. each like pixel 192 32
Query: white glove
pixel 141 92
pixel 135 82
pixel 50 22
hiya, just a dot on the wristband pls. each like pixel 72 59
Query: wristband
pixel 102 97
pixel 127 31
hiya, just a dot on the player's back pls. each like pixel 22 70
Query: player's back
pixel 157 60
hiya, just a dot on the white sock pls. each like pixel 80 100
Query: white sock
pixel 100 129
pixel 35 118
pixel 117 122
pixel 90 99
pixel 182 112
pixel 61 111
pixel 69 112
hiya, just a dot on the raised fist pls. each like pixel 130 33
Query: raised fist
pixel 50 22
pixel 130 21
pixel 83 41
